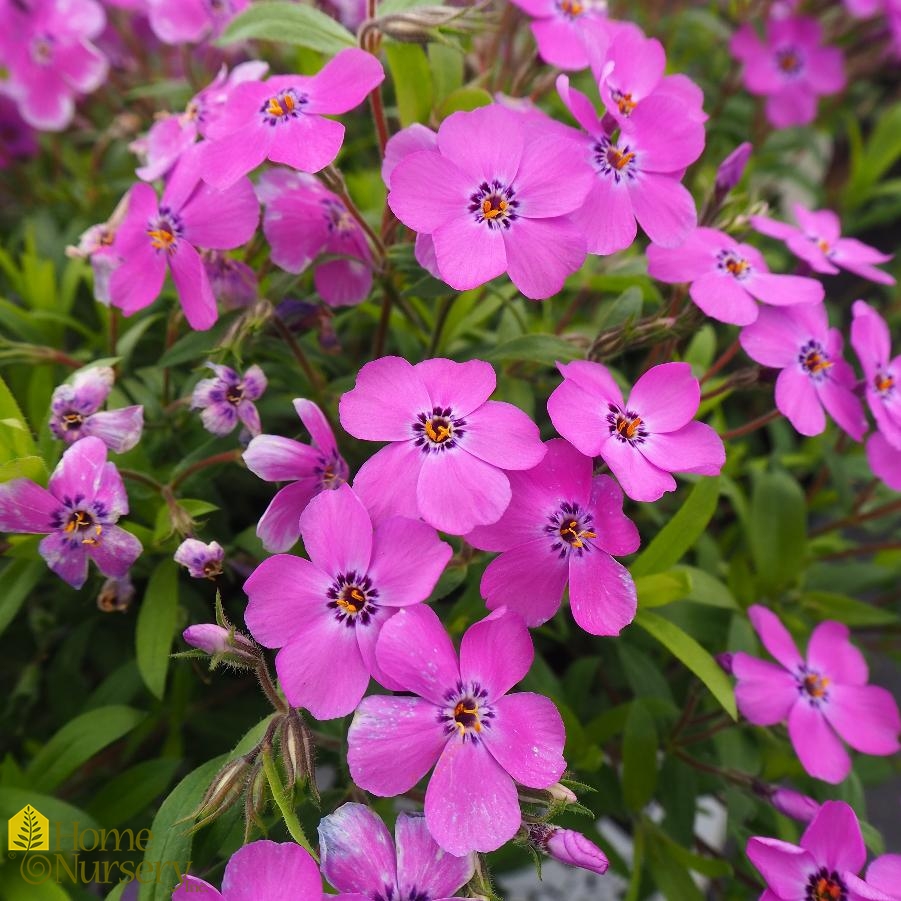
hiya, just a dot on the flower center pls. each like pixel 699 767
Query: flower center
pixel 72 421
pixel 164 231
pixel 494 204
pixel 439 430
pixel 42 50
pixel 624 102
pixel 570 528
pixel 466 716
pixel 332 472
pixel 789 61
pixel 467 713
pixel 613 161
pixel 814 360
pixel 825 886
pixel 83 526
pixel 731 262
pixel 813 686
pixel 353 599
pixel 234 394
pixel 570 8
pixel 884 382
pixel 212 568
pixel 626 425
pixel 285 105
pixel 337 218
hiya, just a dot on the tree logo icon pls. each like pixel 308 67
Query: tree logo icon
pixel 29 830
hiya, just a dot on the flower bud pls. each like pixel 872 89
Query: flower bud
pixel 224 790
pixel 795 805
pixel 203 561
pixel 731 169
pixel 116 595
pixel 255 800
pixel 725 662
pixel 561 793
pixel 217 640
pixel 567 846
pixel 297 749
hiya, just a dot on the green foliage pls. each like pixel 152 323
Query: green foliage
pixel 156 626
pixel 288 23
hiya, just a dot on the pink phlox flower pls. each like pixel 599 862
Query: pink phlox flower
pixel 633 69
pixel 824 698
pixel 326 613
pixel 645 439
pixel 567 32
pixel 563 526
pixel 450 445
pixel 791 68
pixel 817 240
pixel 75 412
pixel 863 9
pixel 96 245
pixel 77 511
pixel 462 720
pixel 160 236
pixel 727 277
pixel 885 460
pixel 189 21
pixel 47 48
pixel 262 869
pixel 360 860
pixel 494 201
pixel 228 398
pixel 306 224
pixel 824 866
pixel 638 168
pixel 815 379
pixel 310 468
pixel 233 283
pixel 871 341
pixel 283 118
pixel 172 134
pixel 884 875
pixel 202 560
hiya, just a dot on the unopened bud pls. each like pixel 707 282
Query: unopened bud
pixel 224 645
pixel 795 805
pixel 224 790
pixel 116 595
pixel 731 169
pixel 297 749
pixel 725 662
pixel 561 793
pixel 255 800
pixel 567 846
pixel 421 24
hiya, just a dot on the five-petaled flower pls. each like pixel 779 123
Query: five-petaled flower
pixel 326 613
pixel 480 739
pixel 202 560
pixel 78 511
pixel 228 398
pixel 823 698
pixel 645 439
pixel 449 444
pixel 562 526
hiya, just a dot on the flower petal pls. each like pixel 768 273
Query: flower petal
pixel 115 552
pixel 279 526
pixel 463 387
pixel 277 459
pixel 69 561
pixel 831 653
pixel 775 637
pixel 193 287
pixel 496 652
pixel 602 594
pixel 797 400
pixel 765 693
pixel 816 744
pixel 834 838
pixel 785 867
pixel 386 482
pixel 337 532
pixel 666 397
pixel 423 868
pixel 542 254
pixel 265 869
pixel 502 435
pixel 639 477
pixel 866 717
pixel 468 253
pixel 26 507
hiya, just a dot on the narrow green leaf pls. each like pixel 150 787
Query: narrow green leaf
pixel 77 742
pixel 30 467
pixel 545 349
pixel 827 605
pixel 156 626
pixel 16 439
pixel 672 542
pixel 639 757
pixel 659 589
pixel 19 578
pixel 464 99
pixel 412 79
pixel 669 871
pixel 288 23
pixel 127 794
pixel 777 529
pixel 447 69
pixel 682 646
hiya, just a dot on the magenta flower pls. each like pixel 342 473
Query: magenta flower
pixel 817 240
pixel 633 70
pixel 824 698
pixel 726 277
pixel 283 118
pixel 884 460
pixel 882 374
pixel 233 283
pixel 228 398
pixel 46 47
pixel 78 512
pixel 814 375
pixel 791 68
pixel 644 440
pixel 156 236
pixel 562 526
pixel 171 136
pixel 188 21
pixel 262 869
pixel 75 412
pixel 213 639
pixel 326 612
pixel 203 561
pixel 306 224
pixel 731 169
pixel 359 858
pixel 638 171
pixel 449 444
pixel 884 875
pixel 568 846
pixel 310 468
pixel 795 805
pixel 494 202
pixel 480 739
pixel 567 32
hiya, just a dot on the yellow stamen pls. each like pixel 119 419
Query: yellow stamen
pixel 161 238
pixel 442 433
pixel 737 267
pixel 275 108
pixel 570 529
pixel 815 685
pixel 815 363
pixel 884 382
pixel 572 7
pixel 618 159
pixel 823 245
pixel 626 104
pixel 489 211
pixel 628 427
pixel 462 710
pixel 355 603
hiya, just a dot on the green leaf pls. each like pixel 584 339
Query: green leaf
pixel 197 346
pixel 77 742
pixel 826 605
pixel 30 467
pixel 660 589
pixel 288 23
pixel 682 646
pixel 777 529
pixel 127 794
pixel 545 349
pixel 156 626
pixel 464 99
pixel 412 79
pixel 706 589
pixel 707 866
pixel 447 69
pixel 672 542
pixel 15 436
pixel 19 578
pixel 669 871
pixel 639 757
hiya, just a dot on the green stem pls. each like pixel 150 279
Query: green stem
pixel 313 376
pixel 231 456
pixel 288 815
pixel 140 477
pixel 751 426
